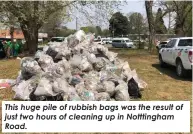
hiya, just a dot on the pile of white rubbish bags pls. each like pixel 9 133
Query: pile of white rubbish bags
pixel 77 69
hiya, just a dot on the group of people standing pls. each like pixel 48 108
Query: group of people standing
pixel 9 49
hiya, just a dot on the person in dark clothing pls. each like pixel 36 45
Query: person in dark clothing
pixel 2 51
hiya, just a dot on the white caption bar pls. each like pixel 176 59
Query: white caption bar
pixel 108 116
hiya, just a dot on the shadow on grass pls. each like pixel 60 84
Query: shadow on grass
pixel 171 71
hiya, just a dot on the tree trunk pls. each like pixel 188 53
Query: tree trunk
pixel 31 36
pixel 11 33
pixel 148 5
pixel 26 36
pixel 30 30
pixel 179 29
pixel 182 11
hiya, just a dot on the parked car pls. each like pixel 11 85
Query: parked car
pixel 56 39
pixel 104 40
pixel 178 52
pixel 123 43
pixel 99 41
pixel 109 40
pixel 162 44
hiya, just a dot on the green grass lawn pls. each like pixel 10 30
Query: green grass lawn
pixel 163 84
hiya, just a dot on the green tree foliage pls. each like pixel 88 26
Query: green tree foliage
pixel 97 30
pixel 136 23
pixel 89 29
pixel 54 22
pixel 188 25
pixel 160 28
pixel 118 24
pixel 64 32
pixel 182 10
pixel 106 33
pixel 32 15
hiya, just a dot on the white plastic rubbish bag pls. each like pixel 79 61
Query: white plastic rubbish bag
pixel 107 76
pixel 126 72
pixel 64 52
pixel 90 38
pixel 72 41
pixel 93 84
pixel 19 78
pixel 121 92
pixel 119 63
pixel 73 96
pixel 90 56
pixel 29 67
pixel 80 87
pixel 87 95
pixel 38 54
pixel 111 67
pixel 62 68
pixel 75 79
pixel 111 56
pixel 85 65
pixel 109 87
pixel 126 68
pixel 60 85
pixel 24 89
pixel 99 64
pixel 75 61
pixel 45 48
pixel 103 96
pixel 80 35
pixel 44 88
pixel 45 61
